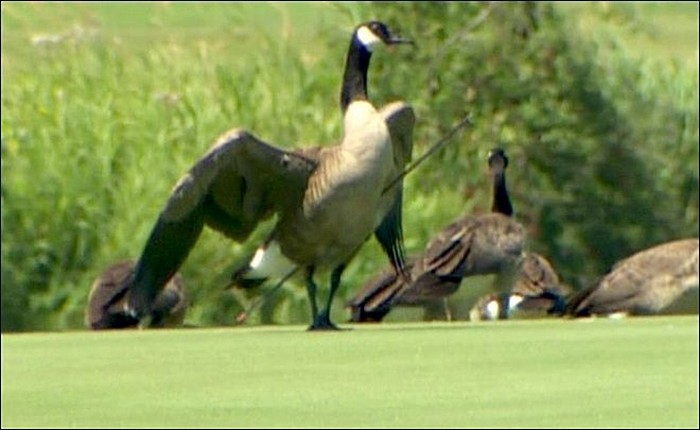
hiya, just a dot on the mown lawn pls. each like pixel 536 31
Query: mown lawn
pixel 550 373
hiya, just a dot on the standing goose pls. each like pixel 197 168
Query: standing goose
pixel 105 308
pixel 473 245
pixel 328 200
pixel 399 118
pixel 645 283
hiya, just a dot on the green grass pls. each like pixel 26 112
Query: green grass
pixel 550 373
pixel 81 149
pixel 141 26
pixel 662 31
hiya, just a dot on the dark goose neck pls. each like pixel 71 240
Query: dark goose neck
pixel 501 200
pixel 355 77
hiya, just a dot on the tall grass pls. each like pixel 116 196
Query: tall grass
pixel 105 106
pixel 96 131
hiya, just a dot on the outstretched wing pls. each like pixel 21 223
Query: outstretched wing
pixel 239 182
pixel 400 119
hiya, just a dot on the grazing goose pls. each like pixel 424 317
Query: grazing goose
pixel 537 291
pixel 105 308
pixel 645 283
pixel 327 200
pixel 473 245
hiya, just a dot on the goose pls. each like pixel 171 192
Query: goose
pixel 490 243
pixel 647 282
pixel 537 291
pixel 265 262
pixel 105 307
pixel 328 200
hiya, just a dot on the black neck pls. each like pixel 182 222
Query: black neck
pixel 501 201
pixel 355 78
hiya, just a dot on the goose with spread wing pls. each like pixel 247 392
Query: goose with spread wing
pixel 328 200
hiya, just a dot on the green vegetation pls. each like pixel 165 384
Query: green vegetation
pixel 106 105
pixel 666 31
pixel 87 119
pixel 550 373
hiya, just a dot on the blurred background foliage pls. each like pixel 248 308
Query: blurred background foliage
pixel 104 106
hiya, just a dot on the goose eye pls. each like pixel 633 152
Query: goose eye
pixel 379 29
pixel 285 161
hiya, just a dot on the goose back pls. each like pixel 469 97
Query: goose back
pixel 644 283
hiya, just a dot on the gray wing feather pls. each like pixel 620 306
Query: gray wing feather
pixel 239 182
pixel 244 174
pixel 400 120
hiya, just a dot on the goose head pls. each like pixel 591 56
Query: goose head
pixel 365 38
pixel 498 161
pixel 374 33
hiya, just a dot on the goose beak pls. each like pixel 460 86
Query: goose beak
pixel 399 41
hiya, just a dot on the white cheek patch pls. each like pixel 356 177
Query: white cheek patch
pixel 269 262
pixel 514 301
pixel 492 309
pixel 368 38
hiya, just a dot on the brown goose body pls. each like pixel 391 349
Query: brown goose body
pixel 471 246
pixel 345 174
pixel 645 283
pixel 105 307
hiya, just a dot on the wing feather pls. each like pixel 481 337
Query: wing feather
pixel 247 179
pixel 400 119
pixel 239 182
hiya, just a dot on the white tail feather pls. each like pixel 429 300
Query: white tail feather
pixel 269 262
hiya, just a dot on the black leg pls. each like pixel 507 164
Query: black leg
pixel 335 283
pixel 323 320
pixel 504 302
pixel 311 290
